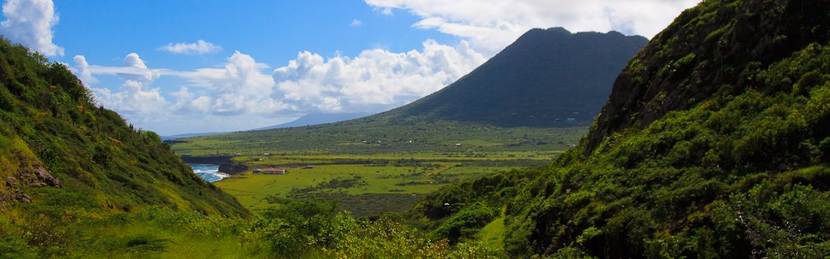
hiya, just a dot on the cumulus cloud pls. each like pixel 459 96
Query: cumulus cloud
pixel 242 86
pixel 30 22
pixel 132 99
pixel 372 81
pixel 492 24
pixel 356 23
pixel 375 78
pixel 133 69
pixel 194 48
pixel 83 71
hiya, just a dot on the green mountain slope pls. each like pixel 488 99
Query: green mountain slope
pixel 715 144
pixel 60 154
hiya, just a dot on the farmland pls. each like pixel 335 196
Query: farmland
pixel 375 167
pixel 375 136
pixel 367 185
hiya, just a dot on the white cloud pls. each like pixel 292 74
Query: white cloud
pixel 133 69
pixel 30 22
pixel 375 78
pixel 241 86
pixel 356 23
pixel 492 24
pixel 372 81
pixel 198 47
pixel 82 70
pixel 132 99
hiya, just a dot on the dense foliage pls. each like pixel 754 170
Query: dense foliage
pixel 63 157
pixel 714 145
pixel 295 229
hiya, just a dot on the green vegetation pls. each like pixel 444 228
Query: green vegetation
pixel 375 135
pixel 368 185
pixel 73 173
pixel 77 181
pixel 294 230
pixel 60 152
pixel 714 145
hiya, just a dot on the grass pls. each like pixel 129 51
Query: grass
pixel 396 161
pixel 364 183
pixel 380 136
pixel 143 239
pixel 492 234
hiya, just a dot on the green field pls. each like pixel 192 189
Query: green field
pixel 371 137
pixel 375 165
pixel 367 185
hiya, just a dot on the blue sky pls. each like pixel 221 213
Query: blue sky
pixel 272 31
pixel 201 66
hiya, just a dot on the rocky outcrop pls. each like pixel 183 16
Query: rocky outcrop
pixel 226 163
pixel 39 177
pixel 232 168
pixel 29 174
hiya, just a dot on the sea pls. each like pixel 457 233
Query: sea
pixel 208 172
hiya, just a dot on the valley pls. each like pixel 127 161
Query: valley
pixel 711 139
pixel 371 183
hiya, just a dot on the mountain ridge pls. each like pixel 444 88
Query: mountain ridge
pixel 314 119
pixel 546 78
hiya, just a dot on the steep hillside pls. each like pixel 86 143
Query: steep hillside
pixel 547 78
pixel 538 93
pixel 60 154
pixel 715 144
pixel 717 48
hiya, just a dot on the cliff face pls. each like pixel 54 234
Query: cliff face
pixel 717 47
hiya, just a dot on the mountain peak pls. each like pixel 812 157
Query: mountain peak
pixel 547 78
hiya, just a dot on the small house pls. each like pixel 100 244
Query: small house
pixel 271 170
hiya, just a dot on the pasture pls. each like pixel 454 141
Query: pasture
pixel 367 185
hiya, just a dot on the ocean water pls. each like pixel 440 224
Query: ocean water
pixel 209 173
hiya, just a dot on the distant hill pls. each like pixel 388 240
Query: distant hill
pixel 188 135
pixel 541 93
pixel 547 78
pixel 60 154
pixel 313 119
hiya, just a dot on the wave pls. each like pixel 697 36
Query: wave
pixel 209 173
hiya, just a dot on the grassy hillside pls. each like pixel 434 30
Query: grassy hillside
pixel 63 158
pixel 715 144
